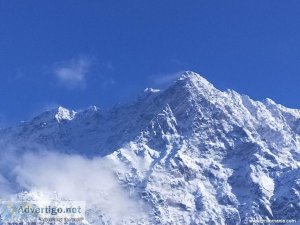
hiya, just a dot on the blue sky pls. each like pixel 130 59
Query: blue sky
pixel 78 53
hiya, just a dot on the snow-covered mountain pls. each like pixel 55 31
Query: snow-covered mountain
pixel 192 154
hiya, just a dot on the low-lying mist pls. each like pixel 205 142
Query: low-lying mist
pixel 73 177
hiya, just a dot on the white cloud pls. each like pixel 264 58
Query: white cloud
pixel 166 78
pixel 72 177
pixel 73 73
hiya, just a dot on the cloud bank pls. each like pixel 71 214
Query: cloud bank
pixel 73 177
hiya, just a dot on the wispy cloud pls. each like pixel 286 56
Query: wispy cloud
pixel 76 72
pixel 165 78
pixel 72 73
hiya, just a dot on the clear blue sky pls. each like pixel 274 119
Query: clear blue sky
pixel 78 53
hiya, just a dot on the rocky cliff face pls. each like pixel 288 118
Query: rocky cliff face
pixel 192 153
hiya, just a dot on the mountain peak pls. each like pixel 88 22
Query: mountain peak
pixel 194 78
pixel 190 151
pixel 151 90
pixel 189 75
pixel 193 83
pixel 64 114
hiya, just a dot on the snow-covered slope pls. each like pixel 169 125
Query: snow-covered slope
pixel 192 153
